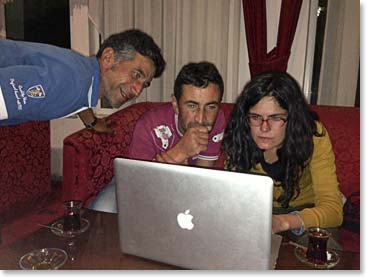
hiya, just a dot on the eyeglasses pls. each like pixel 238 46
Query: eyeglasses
pixel 274 121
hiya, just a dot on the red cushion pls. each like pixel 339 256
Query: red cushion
pixel 88 156
pixel 24 167
pixel 26 194
pixel 342 124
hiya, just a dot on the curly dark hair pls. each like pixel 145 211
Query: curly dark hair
pixel 242 151
pixel 127 43
pixel 199 75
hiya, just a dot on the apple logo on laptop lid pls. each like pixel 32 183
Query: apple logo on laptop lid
pixel 184 220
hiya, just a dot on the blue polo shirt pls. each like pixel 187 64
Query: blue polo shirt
pixel 42 82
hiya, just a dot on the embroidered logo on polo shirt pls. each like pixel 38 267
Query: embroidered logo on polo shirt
pixel 36 92
pixel 163 133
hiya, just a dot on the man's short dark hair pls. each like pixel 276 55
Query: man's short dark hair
pixel 127 43
pixel 199 75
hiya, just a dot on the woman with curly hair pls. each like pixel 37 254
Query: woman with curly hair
pixel 272 131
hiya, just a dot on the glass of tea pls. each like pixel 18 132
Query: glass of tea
pixel 72 221
pixel 317 245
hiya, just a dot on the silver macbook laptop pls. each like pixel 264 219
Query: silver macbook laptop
pixel 195 218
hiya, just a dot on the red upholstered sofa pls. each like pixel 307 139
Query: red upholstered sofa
pixel 26 195
pixel 88 158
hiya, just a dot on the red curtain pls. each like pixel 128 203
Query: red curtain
pixel 255 24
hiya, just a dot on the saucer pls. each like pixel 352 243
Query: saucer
pixel 57 228
pixel 45 258
pixel 332 258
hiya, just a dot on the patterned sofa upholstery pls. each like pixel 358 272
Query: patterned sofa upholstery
pixel 26 194
pixel 88 156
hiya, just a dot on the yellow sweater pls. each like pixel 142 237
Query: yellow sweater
pixel 318 186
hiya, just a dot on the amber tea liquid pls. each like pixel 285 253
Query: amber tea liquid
pixel 317 246
pixel 71 222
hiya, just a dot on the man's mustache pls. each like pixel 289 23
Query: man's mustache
pixel 195 124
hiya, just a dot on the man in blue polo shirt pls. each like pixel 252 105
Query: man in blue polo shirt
pixel 42 82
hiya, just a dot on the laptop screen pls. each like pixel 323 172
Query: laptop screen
pixel 192 217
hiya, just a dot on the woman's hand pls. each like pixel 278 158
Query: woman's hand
pixel 284 222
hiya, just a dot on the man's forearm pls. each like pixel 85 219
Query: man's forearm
pixel 176 155
pixel 204 163
pixel 87 116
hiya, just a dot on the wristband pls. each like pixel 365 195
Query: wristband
pixel 91 125
pixel 301 230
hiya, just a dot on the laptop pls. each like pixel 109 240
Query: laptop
pixel 194 218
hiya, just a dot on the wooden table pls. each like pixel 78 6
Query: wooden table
pixel 98 248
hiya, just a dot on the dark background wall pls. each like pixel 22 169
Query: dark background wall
pixel 46 21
